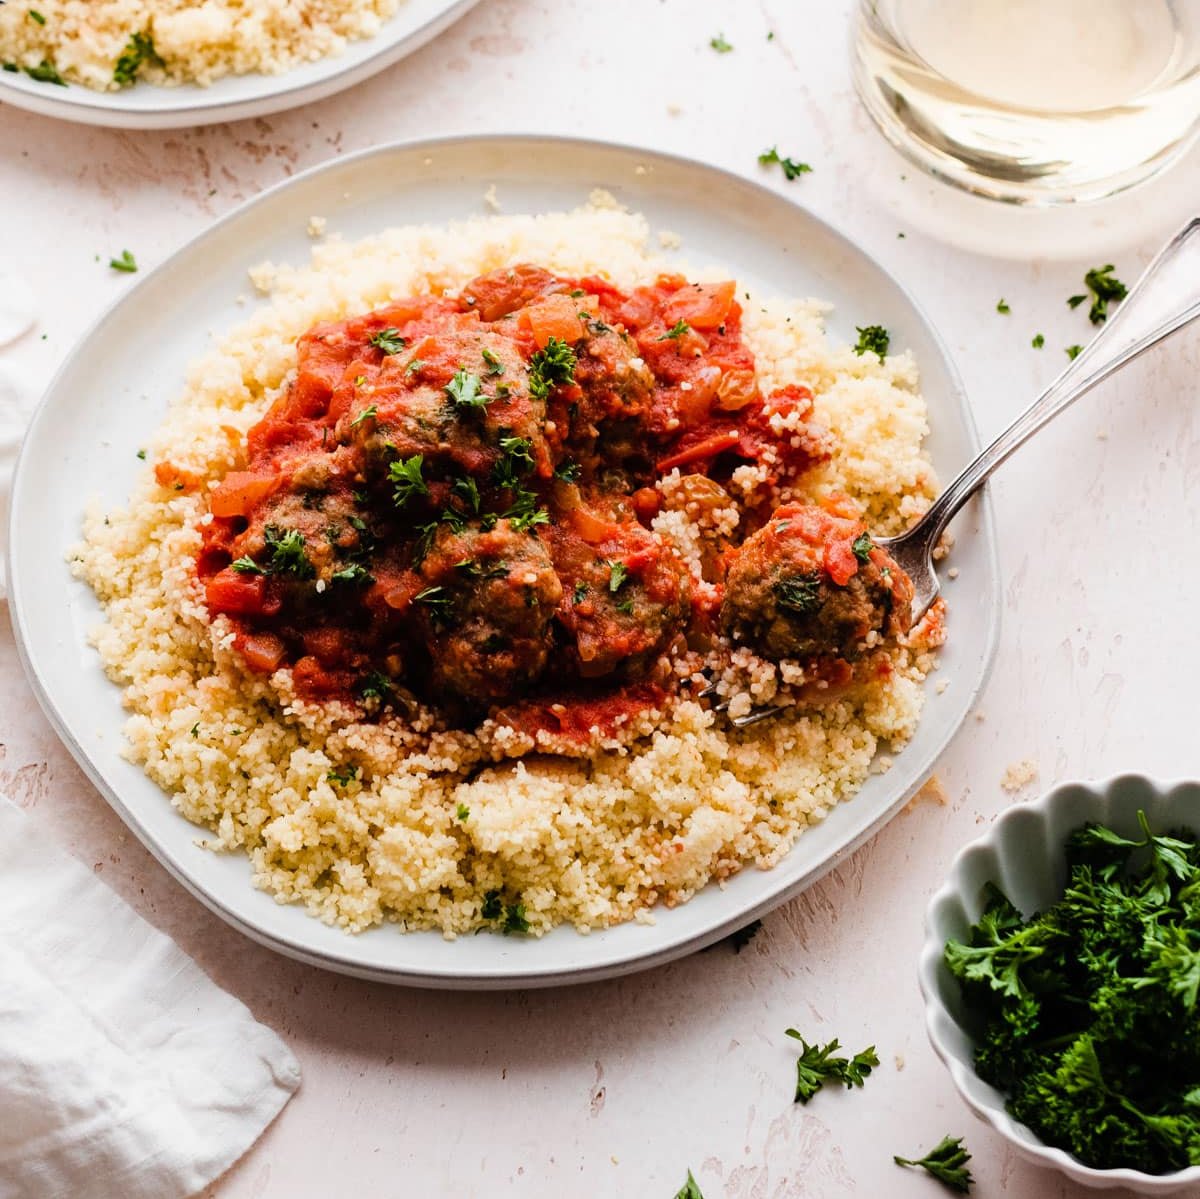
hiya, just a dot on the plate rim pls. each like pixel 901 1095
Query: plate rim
pixel 499 978
pixel 104 109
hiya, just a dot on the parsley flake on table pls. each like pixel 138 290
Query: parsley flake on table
pixel 1002 307
pixel 791 169
pixel 817 1064
pixel 126 262
pixel 1074 351
pixel 719 44
pixel 947 1162
pixel 1087 1011
pixel 689 1190
pixel 1105 288
pixel 1038 341
pixel 874 338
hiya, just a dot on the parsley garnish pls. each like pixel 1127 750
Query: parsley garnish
pixel 947 1162
pixel 516 461
pixel 553 366
pixel 375 686
pixel 492 906
pixel 874 338
pixel 1075 301
pixel 463 389
pixel 125 263
pixel 405 473
pixel 463 811
pixel 365 414
pixel 581 589
pixel 414 366
pixel 798 593
pixel 1087 1012
pixel 495 366
pixel 626 606
pixel 523 516
pixel 1074 351
pixel 353 572
pixel 288 555
pixel 618 572
pixel 817 1065
pixel 138 51
pixel 1003 308
pixel 1038 341
pixel 1104 288
pixel 719 44
pixel 862 548
pixel 791 168
pixel 343 775
pixel 689 1190
pixel 34 15
pixel 568 471
pixel 388 341
pixel 437 599
pixel 246 566
pixel 142 455
pixel 46 72
pixel 195 729
pixel 514 919
pixel 676 331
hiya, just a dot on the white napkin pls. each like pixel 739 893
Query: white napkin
pixel 125 1072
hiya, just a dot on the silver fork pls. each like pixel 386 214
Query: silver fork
pixel 1164 299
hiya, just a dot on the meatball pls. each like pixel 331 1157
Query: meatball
pixel 626 595
pixel 485 611
pixel 810 583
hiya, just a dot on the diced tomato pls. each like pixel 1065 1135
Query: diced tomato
pixel 555 316
pixel 591 528
pixel 702 451
pixel 240 594
pixel 701 305
pixel 840 563
pixel 263 651
pixel 239 491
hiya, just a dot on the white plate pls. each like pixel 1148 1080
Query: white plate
pixel 115 387
pixel 237 97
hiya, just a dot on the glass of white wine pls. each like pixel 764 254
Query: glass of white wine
pixel 1033 102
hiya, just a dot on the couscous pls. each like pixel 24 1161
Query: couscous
pixel 369 795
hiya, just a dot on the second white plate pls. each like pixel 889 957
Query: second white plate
pixel 116 385
pixel 238 97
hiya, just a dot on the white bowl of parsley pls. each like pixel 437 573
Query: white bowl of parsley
pixel 1061 975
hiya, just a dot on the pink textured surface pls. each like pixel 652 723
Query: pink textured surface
pixel 617 1089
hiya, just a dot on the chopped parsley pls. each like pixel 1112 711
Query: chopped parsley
pixel 1038 341
pixel 463 812
pixel 495 366
pixel 719 44
pixel 874 338
pixel 618 572
pixel 689 1190
pixel 581 590
pixel 438 600
pixel 791 169
pixel 626 606
pixel 138 51
pixel 353 572
pixel 195 729
pixel 1105 288
pixel 492 908
pixel 798 593
pixel 126 262
pixel 1074 301
pixel 343 775
pixel 818 1065
pixel 676 331
pixel 1088 1012
pixel 36 16
pixel 464 390
pixel 288 555
pixel 523 517
pixel 514 919
pixel 515 462
pixel 467 490
pixel 405 473
pixel 366 414
pixel 947 1162
pixel 375 686
pixel 553 366
pixel 568 471
pixel 46 72
pixel 1074 351
pixel 388 341
pixel 862 547
pixel 414 366
pixel 246 566
pixel 1003 308
pixel 142 455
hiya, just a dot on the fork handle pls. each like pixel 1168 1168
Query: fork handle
pixel 1163 300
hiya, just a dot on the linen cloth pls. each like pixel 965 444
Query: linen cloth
pixel 125 1072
